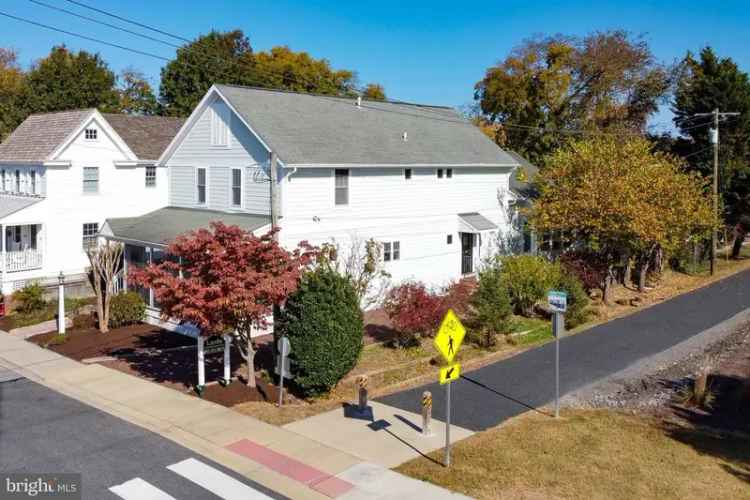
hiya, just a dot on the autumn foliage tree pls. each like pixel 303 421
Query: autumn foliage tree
pixel 619 199
pixel 225 280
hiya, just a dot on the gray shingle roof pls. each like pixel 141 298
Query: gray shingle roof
pixel 525 187
pixel 39 135
pixel 163 225
pixel 313 129
pixel 10 204
pixel 146 136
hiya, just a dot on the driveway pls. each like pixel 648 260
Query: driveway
pixel 485 397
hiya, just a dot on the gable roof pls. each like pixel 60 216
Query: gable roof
pixel 10 204
pixel 147 136
pixel 306 129
pixel 40 135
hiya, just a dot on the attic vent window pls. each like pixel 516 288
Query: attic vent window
pixel 220 126
pixel 90 134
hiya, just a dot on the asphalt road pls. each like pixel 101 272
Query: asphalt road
pixel 485 397
pixel 42 431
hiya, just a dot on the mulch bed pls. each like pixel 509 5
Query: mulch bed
pixel 237 393
pixel 378 327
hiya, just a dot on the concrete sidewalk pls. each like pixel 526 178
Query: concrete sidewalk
pixel 215 431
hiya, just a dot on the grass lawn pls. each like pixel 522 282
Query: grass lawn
pixel 592 454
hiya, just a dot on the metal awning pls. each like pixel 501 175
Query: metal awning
pixel 11 204
pixel 474 222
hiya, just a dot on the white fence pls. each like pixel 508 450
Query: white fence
pixel 23 260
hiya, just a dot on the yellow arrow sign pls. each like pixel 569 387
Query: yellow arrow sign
pixel 450 373
pixel 450 335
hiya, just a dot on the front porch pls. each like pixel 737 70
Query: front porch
pixel 22 248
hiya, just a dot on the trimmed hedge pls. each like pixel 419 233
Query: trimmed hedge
pixel 324 324
pixel 126 309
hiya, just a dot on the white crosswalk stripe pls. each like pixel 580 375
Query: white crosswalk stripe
pixel 138 489
pixel 215 481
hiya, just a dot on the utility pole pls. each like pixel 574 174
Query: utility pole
pixel 274 194
pixel 716 115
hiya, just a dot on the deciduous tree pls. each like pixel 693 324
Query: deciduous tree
pixel 136 97
pixel 106 263
pixel 225 280
pixel 12 85
pixel 551 85
pixel 374 91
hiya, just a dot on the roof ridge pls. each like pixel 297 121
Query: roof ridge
pixel 315 94
pixel 76 110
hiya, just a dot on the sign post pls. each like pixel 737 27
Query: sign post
pixel 282 367
pixel 448 341
pixel 558 304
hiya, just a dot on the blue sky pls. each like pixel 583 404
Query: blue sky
pixel 422 51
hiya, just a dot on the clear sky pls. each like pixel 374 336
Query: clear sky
pixel 422 51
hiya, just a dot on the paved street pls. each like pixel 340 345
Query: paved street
pixel 489 395
pixel 44 431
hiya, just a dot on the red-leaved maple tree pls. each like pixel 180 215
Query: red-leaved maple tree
pixel 225 280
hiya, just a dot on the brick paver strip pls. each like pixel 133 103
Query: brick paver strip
pixel 318 480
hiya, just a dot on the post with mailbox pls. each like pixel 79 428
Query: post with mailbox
pixel 558 305
pixel 282 365
pixel 448 341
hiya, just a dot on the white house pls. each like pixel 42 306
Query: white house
pixel 421 180
pixel 61 175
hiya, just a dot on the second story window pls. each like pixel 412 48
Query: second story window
pixel 449 173
pixel 342 186
pixel 3 180
pixel 18 182
pixel 150 176
pixel 440 173
pixel 236 187
pixel 407 173
pixel 201 185
pixel 91 180
pixel 32 182
pixel 90 134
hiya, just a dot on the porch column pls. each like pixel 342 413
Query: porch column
pixel 201 362
pixel 3 229
pixel 227 358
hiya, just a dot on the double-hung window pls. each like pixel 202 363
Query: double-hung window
pixel 150 176
pixel 201 185
pixel 32 182
pixel 18 182
pixel 236 187
pixel 391 251
pixel 342 186
pixel 91 179
pixel 90 230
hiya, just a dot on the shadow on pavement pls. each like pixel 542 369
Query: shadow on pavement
pixel 510 398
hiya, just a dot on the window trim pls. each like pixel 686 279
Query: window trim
pixel 449 239
pixel 241 187
pixel 98 181
pixel 198 185
pixel 95 134
pixel 150 168
pixel 336 188
pixel 90 238
pixel 391 250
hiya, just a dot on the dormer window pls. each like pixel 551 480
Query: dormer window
pixel 90 134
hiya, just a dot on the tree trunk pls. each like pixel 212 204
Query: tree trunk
pixel 250 362
pixel 739 239
pixel 607 288
pixel 627 272
pixel 643 266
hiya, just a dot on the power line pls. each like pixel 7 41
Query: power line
pixel 91 39
pixel 136 23
pixel 113 26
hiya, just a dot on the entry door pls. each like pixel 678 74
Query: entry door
pixel 467 253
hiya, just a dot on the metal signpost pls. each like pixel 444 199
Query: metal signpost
pixel 448 341
pixel 282 366
pixel 558 304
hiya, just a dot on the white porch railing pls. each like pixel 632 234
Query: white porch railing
pixel 23 260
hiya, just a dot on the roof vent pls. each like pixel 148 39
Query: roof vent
pixel 359 101
pixel 405 136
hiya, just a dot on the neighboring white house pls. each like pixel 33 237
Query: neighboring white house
pixel 427 184
pixel 61 175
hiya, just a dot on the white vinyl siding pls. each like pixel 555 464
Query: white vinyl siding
pixel 91 180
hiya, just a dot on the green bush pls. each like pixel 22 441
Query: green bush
pixel 324 324
pixel 578 301
pixel 125 309
pixel 490 310
pixel 528 279
pixel 30 299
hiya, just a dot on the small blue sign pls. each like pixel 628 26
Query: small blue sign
pixel 558 301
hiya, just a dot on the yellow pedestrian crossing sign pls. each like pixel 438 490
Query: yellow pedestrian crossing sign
pixel 450 335
pixel 450 373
